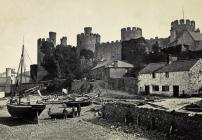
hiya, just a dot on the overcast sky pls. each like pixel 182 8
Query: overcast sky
pixel 35 18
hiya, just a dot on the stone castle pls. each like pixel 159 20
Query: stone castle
pixel 181 32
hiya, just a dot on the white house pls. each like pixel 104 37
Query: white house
pixel 171 79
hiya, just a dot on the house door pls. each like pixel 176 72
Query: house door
pixel 175 91
pixel 147 90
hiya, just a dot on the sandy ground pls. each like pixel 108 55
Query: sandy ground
pixel 85 127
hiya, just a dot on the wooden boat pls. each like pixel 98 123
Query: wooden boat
pixel 28 113
pixel 18 109
pixel 76 103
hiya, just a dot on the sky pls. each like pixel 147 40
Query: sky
pixel 33 19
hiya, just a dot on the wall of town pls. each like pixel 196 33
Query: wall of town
pixel 185 125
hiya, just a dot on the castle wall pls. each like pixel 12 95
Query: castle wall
pixel 128 33
pixel 108 51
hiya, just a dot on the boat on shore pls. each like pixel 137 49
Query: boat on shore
pixel 77 103
pixel 23 110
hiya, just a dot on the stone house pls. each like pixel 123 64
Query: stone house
pixel 110 69
pixel 171 79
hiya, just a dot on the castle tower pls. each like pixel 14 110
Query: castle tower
pixel 40 55
pixel 63 41
pixel 87 40
pixel 178 26
pixel 128 33
pixel 52 38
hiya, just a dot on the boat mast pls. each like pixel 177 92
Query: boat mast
pixel 21 72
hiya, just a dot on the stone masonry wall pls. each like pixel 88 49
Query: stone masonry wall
pixel 187 126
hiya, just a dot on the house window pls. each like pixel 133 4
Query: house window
pixel 165 88
pixel 153 75
pixel 155 88
pixel 167 74
pixel 197 43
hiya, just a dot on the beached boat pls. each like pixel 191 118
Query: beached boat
pixel 21 110
pixel 77 103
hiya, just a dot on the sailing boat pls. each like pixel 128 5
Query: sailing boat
pixel 23 110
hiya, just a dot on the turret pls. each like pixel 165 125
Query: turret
pixel 52 37
pixel 63 41
pixel 40 41
pixel 87 30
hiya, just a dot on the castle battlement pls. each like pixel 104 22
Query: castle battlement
pixel 177 23
pixel 40 41
pixel 130 33
pixel 109 44
pixel 83 35
pixel 131 29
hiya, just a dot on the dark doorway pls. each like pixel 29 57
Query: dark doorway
pixel 175 91
pixel 147 90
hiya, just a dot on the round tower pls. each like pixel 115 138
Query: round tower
pixel 178 26
pixel 87 40
pixel 130 33
pixel 40 54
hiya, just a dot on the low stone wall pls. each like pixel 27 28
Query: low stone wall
pixel 183 124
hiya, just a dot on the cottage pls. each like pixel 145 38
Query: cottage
pixel 171 79
pixel 110 69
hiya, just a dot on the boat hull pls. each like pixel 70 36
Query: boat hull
pixel 76 103
pixel 28 113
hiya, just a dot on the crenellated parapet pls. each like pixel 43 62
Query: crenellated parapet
pixel 178 26
pixel 130 33
pixel 183 24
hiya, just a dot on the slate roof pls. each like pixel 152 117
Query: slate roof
pixel 120 64
pixel 196 36
pixel 176 66
pixel 181 65
pixel 105 63
pixel 152 67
